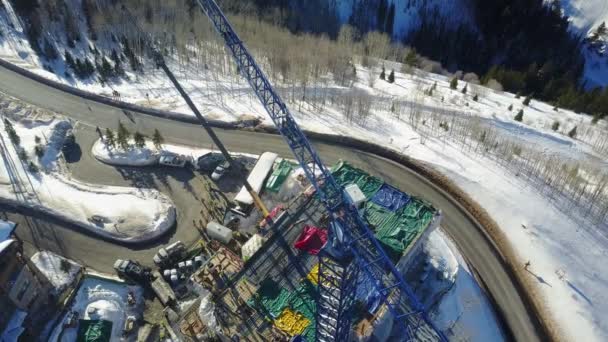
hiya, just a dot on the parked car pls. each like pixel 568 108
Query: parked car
pixel 170 254
pixel 220 171
pixel 172 160
pixel 132 271
pixel 209 161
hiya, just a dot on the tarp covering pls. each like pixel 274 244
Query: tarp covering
pixel 396 218
pixel 94 330
pixel 272 300
pixel 311 240
pixel 391 198
pixel 313 275
pixel 278 176
pixel 303 301
pixel 293 323
pixel 346 174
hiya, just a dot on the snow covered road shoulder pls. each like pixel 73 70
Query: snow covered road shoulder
pixel 32 176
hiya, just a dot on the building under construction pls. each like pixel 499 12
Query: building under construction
pixel 273 295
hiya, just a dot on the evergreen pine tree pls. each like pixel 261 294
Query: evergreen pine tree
pixel 555 126
pixel 527 100
pixel 89 68
pixel 12 134
pixel 412 58
pixel 383 74
pixel 520 116
pixel 391 77
pixel 510 108
pixel 573 132
pixel 140 140
pixel 39 151
pixel 454 83
pixel 476 98
pixel 157 140
pixel 110 140
pixel 69 61
pixel 465 89
pixel 49 50
pixel 122 138
pixel 79 68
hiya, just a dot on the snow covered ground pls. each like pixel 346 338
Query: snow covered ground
pixel 42 183
pixel 105 299
pixel 464 312
pixel 60 271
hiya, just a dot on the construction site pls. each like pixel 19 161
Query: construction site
pixel 267 288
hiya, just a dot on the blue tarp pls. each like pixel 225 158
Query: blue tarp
pixel 391 198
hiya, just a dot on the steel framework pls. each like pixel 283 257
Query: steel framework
pixel 362 253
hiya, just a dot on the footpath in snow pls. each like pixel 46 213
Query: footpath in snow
pixel 32 176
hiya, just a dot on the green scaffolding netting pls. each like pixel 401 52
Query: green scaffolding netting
pixel 345 174
pixel 271 300
pixel 303 300
pixel 94 331
pixel 397 230
pixel 278 176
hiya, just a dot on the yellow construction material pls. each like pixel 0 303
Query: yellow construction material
pixel 313 275
pixel 291 322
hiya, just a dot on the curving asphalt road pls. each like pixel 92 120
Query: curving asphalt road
pixel 465 231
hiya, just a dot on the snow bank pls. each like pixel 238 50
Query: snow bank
pixel 117 213
pixel 464 313
pixel 131 157
pixel 50 264
pixel 148 155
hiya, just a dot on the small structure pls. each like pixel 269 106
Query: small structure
pixel 356 195
pixel 252 246
pixel 22 285
pixel 218 232
pixel 256 178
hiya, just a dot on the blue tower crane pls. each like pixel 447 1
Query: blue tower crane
pixel 356 254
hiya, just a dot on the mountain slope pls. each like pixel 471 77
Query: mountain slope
pixel 585 17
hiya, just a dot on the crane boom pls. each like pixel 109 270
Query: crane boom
pixel 333 306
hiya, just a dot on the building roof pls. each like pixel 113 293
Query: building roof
pixel 6 229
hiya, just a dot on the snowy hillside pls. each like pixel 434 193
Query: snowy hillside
pixel 586 16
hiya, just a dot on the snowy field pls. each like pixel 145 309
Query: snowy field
pixel 104 299
pixel 42 183
pixel 546 227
